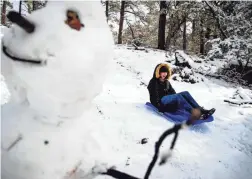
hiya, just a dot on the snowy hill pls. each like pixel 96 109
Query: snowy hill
pixel 118 121
pixel 221 149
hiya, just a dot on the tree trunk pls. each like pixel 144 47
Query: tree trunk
pixel 169 35
pixel 161 28
pixel 35 5
pixel 193 29
pixel 201 36
pixel 29 6
pixel 168 40
pixel 107 9
pixel 208 33
pixel 3 14
pixel 121 22
pixel 20 7
pixel 174 41
pixel 184 35
pixel 131 30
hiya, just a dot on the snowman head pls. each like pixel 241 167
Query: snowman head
pixel 51 55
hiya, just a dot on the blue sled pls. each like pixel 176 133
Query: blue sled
pixel 179 116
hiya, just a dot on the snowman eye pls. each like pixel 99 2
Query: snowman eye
pixel 73 20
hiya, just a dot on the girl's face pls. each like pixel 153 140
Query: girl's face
pixel 163 75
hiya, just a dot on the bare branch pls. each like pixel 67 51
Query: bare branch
pixel 130 27
pixel 238 102
pixel 141 18
pixel 24 4
pixel 217 19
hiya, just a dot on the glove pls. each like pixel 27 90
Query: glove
pixel 161 107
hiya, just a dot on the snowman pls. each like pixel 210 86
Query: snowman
pixel 54 62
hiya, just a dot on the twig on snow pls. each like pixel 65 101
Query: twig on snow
pixel 19 138
pixel 73 171
pixel 238 102
pixel 118 174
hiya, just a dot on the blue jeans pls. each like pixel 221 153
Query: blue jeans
pixel 183 100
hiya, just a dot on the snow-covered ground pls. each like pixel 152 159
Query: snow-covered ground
pixel 118 120
pixel 218 150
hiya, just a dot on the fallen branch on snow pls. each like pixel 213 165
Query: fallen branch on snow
pixel 238 102
pixel 137 47
pixel 19 138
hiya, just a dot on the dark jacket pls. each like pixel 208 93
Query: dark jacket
pixel 158 89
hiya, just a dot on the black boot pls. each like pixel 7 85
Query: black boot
pixel 206 113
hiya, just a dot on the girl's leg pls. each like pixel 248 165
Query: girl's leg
pixel 170 103
pixel 187 96
pixel 176 100
pixel 169 99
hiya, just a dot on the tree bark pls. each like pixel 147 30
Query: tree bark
pixel 193 29
pixel 161 28
pixel 184 35
pixel 169 35
pixel 201 36
pixel 168 40
pixel 121 22
pixel 3 14
pixel 20 7
pixel 107 9
pixel 208 33
pixel 131 30
pixel 29 6
pixel 174 40
pixel 35 5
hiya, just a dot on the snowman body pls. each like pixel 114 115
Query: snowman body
pixel 50 101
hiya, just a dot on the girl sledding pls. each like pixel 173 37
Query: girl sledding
pixel 166 100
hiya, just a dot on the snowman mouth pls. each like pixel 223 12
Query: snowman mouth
pixel 29 27
pixel 4 49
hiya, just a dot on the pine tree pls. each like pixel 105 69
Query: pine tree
pixel 162 23
pixel 121 22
